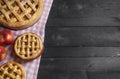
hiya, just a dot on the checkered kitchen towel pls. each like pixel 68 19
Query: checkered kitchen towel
pixel 31 67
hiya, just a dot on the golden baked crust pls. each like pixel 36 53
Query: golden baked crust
pixel 12 70
pixel 28 46
pixel 20 14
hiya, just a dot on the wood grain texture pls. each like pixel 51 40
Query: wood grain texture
pixel 99 21
pixel 95 64
pixel 85 8
pixel 59 74
pixel 85 13
pixel 81 52
pixel 82 40
pixel 103 75
pixel 83 36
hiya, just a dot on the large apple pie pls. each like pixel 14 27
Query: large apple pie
pixel 20 14
pixel 28 46
pixel 12 70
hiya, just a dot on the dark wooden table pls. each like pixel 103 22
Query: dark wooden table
pixel 82 40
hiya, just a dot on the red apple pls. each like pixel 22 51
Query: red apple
pixel 6 37
pixel 3 52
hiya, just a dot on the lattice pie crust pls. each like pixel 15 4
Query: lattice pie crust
pixel 12 70
pixel 28 46
pixel 19 14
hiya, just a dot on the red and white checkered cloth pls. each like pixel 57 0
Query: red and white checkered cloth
pixel 31 67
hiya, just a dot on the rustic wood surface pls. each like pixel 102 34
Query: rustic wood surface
pixel 82 40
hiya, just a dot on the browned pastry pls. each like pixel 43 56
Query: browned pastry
pixel 20 14
pixel 28 46
pixel 12 70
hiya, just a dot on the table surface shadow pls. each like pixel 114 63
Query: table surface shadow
pixel 82 40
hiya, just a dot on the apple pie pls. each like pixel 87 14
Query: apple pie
pixel 28 46
pixel 20 14
pixel 12 70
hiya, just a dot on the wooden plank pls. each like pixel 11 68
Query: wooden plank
pixel 104 75
pixel 58 74
pixel 77 64
pixel 85 13
pixel 77 52
pixel 83 36
pixel 84 8
pixel 84 21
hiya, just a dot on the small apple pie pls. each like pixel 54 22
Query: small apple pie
pixel 28 46
pixel 12 70
pixel 20 14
